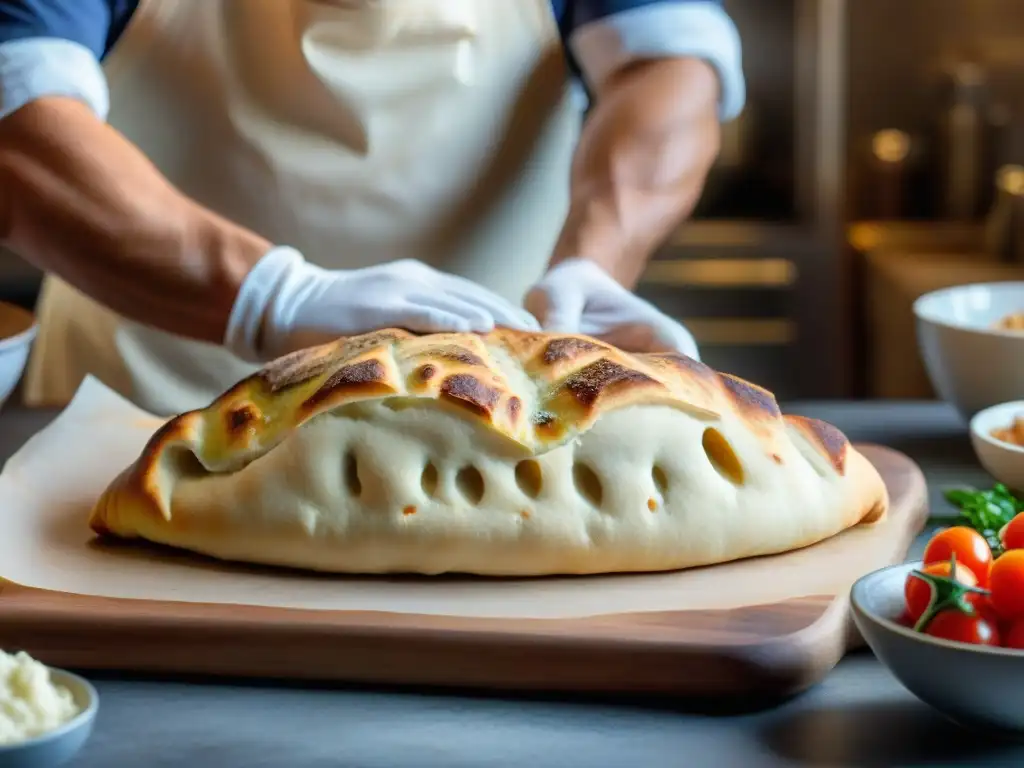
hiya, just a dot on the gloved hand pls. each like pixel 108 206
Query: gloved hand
pixel 286 303
pixel 577 296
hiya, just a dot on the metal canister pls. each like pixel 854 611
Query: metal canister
pixel 890 154
pixel 1004 226
pixel 964 129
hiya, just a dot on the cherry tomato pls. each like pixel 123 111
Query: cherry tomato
pixel 1006 584
pixel 918 592
pixel 1014 636
pixel 967 544
pixel 983 604
pixel 1013 534
pixel 953 624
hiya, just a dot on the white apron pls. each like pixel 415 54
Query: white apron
pixel 358 131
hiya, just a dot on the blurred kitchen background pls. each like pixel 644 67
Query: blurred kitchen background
pixel 874 162
pixel 862 174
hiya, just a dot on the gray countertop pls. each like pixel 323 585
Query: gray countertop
pixel 859 716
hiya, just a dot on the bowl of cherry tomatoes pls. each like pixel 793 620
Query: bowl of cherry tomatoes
pixel 950 627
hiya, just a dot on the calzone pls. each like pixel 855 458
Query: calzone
pixel 505 454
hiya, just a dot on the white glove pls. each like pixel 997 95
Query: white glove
pixel 577 296
pixel 286 304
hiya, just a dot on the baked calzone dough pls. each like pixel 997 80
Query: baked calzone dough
pixel 506 454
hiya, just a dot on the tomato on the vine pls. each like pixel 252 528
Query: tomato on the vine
pixel 961 627
pixel 1012 535
pixel 1013 637
pixel 918 593
pixel 1006 584
pixel 969 546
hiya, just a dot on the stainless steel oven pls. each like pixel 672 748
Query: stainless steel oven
pixel 755 274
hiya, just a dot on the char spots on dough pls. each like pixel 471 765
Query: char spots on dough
pixel 356 345
pixel 831 441
pixel 590 382
pixel 547 426
pixel 652 504
pixel 543 418
pixel 409 510
pixel 454 353
pixel 466 389
pixel 306 364
pixel 362 378
pixel 568 348
pixel 298 367
pixel 427 372
pixel 241 417
pixel 776 458
pixel 750 396
pixel 684 363
pixel 515 407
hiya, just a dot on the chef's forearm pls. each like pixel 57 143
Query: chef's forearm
pixel 79 200
pixel 640 166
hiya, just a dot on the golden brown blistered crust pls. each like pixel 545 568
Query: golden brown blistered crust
pixel 537 390
pixel 827 439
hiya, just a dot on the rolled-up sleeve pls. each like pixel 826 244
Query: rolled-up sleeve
pixel 605 35
pixel 54 48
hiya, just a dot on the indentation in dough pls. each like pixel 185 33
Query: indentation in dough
pixel 470 483
pixel 399 404
pixel 722 456
pixel 352 481
pixel 660 479
pixel 185 463
pixel 529 478
pixel 588 484
pixel 428 480
pixel 813 457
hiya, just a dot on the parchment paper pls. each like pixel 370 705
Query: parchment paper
pixel 48 487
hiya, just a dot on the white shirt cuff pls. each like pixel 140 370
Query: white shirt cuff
pixel 701 30
pixel 34 67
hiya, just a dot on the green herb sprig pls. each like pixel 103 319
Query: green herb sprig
pixel 986 511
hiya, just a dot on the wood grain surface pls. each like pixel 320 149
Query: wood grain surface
pixel 771 650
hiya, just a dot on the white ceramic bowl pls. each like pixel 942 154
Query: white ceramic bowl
pixel 1004 461
pixel 61 744
pixel 971 364
pixel 18 330
pixel 975 685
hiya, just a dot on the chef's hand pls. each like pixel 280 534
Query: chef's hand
pixel 577 296
pixel 286 303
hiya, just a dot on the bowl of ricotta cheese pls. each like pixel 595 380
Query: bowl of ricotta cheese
pixel 46 715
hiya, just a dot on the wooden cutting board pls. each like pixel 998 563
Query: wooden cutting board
pixel 754 650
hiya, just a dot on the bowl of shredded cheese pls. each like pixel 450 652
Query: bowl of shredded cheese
pixel 46 715
pixel 997 435
pixel 971 339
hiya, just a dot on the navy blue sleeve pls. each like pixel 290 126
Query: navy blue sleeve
pixel 54 48
pixel 603 36
pixel 573 14
pixel 93 24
